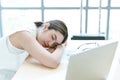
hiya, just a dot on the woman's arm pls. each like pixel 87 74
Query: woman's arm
pixel 30 44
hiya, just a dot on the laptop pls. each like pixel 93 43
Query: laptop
pixel 93 64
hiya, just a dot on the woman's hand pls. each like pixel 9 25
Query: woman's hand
pixel 51 50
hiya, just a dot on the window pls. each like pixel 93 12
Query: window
pixel 81 16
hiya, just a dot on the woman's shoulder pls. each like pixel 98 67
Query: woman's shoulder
pixel 30 27
pixel 20 38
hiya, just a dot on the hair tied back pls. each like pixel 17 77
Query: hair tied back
pixel 38 24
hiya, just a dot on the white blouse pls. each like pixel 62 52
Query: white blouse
pixel 11 57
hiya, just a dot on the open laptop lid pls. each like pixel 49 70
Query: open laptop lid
pixel 92 64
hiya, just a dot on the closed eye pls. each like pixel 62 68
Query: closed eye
pixel 54 37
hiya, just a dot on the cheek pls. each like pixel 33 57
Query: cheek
pixel 41 38
pixel 46 37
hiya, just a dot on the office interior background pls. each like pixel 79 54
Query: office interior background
pixel 101 17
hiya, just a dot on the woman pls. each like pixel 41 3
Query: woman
pixel 43 43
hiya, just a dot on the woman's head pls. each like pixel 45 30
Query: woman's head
pixel 51 31
pixel 59 26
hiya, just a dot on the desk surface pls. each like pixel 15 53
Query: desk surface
pixel 32 70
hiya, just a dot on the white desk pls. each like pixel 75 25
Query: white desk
pixel 31 70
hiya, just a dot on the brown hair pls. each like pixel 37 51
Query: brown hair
pixel 58 26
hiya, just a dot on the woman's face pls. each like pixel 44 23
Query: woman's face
pixel 49 38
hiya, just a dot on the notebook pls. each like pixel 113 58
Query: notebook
pixel 93 64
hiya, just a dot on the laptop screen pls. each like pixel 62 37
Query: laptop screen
pixel 93 64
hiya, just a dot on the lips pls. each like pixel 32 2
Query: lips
pixel 45 44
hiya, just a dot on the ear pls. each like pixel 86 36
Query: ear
pixel 45 26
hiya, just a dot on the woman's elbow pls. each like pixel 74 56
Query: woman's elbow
pixel 53 64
